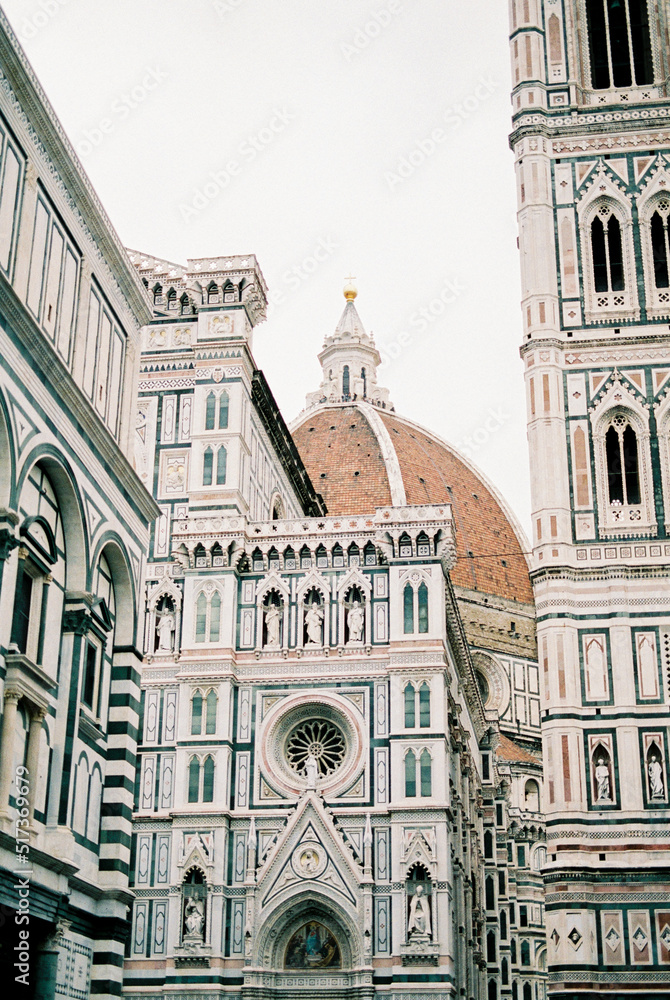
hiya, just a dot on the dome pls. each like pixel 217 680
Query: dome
pixel 360 457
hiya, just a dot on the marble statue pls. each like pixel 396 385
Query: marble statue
pixel 313 620
pixel 165 626
pixel 356 622
pixel 603 789
pixel 272 622
pixel 419 914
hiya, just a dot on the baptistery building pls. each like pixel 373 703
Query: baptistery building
pixel 340 775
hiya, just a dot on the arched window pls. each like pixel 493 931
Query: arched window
pixel 532 796
pixel 224 404
pixel 513 955
pixel 623 476
pixel 184 305
pixel 505 971
pixel 213 293
pixel 158 295
pixel 196 714
pixel 201 619
pixel 660 245
pixel 423 608
pixel 491 947
pixel 408 602
pixel 424 706
pixel 488 844
pixel 426 767
pixel 503 925
pixel 221 463
pixel 193 779
pixel 527 991
pixel 208 780
pixel 214 616
pixel 619 43
pixel 210 412
pixel 172 299
pixel 364 379
pixel 346 385
pixel 410 706
pixel 607 251
pixel 525 953
pixel 490 893
pixel 493 989
pixel 410 775
pixel 207 467
pixel 210 722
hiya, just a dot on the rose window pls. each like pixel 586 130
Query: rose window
pixel 320 739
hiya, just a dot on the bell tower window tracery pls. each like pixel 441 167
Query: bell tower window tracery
pixel 660 245
pixel 619 43
pixel 607 249
pixel 623 471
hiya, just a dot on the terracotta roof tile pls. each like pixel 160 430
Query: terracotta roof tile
pixel 344 461
pixel 507 749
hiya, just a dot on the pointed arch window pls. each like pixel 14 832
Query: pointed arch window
pixel 410 706
pixel 410 775
pixel 607 252
pixel 221 465
pixel 196 714
pixel 619 43
pixel 210 412
pixel 623 472
pixel 208 780
pixel 210 720
pixel 408 602
pixel 423 607
pixel 207 466
pixel 158 295
pixel 172 299
pixel 213 293
pixel 660 245
pixel 426 769
pixel 346 382
pixel 224 403
pixel 193 779
pixel 208 617
pixel 424 706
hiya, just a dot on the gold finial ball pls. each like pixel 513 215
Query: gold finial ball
pixel 350 290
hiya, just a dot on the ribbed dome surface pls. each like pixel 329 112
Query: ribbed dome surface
pixel 361 457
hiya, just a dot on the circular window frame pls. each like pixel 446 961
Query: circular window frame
pixel 282 721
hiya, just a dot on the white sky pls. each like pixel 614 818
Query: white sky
pixel 350 87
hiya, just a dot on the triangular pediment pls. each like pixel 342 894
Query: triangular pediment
pixel 310 853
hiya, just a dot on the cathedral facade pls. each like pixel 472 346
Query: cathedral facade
pixel 592 149
pixel 325 797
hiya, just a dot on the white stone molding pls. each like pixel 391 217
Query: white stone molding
pixel 605 194
pixel 654 196
pixel 619 400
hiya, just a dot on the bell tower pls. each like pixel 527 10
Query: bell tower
pixel 591 140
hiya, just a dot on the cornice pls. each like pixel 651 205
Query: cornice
pixel 580 123
pixel 47 132
pixel 54 373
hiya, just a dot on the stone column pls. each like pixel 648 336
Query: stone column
pixel 7 749
pixel 33 756
pixel 47 962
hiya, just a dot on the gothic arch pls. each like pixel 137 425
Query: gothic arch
pixel 111 547
pixel 287 916
pixel 654 198
pixel 495 691
pixel 7 456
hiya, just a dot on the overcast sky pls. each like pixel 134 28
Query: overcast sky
pixel 346 136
